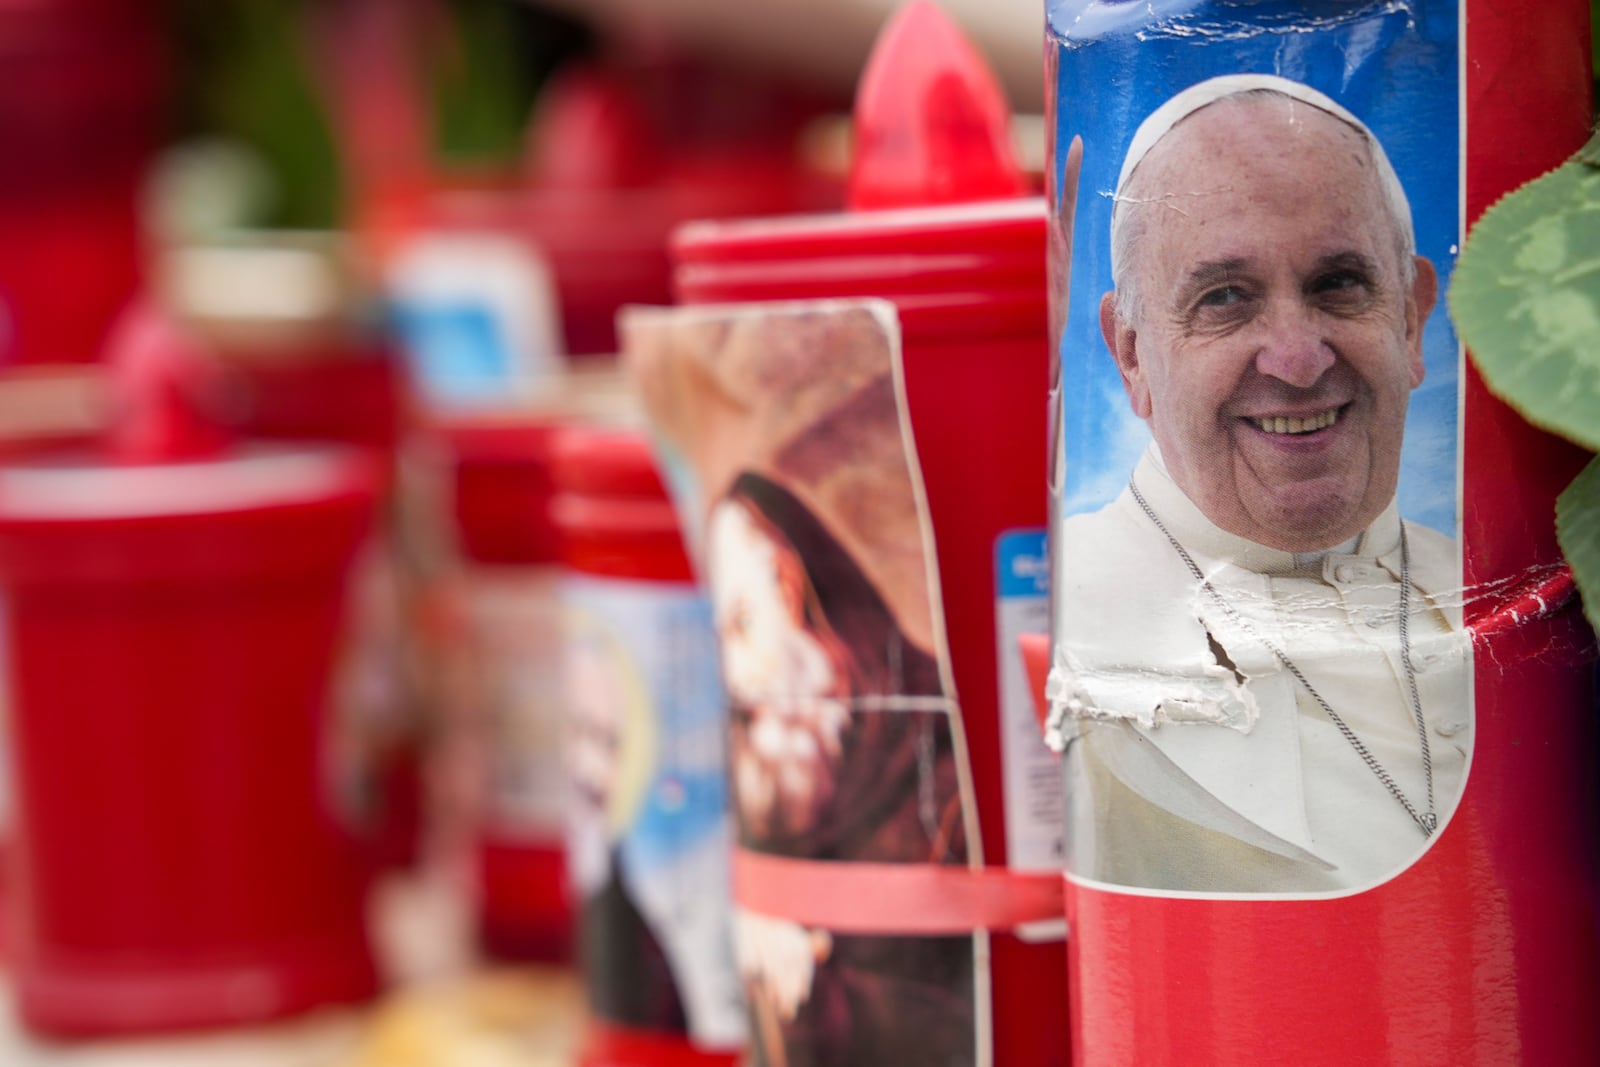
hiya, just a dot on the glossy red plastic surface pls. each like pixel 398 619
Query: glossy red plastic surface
pixel 355 395
pixel 971 271
pixel 177 861
pixel 1485 951
pixel 160 378
pixel 501 487
pixel 967 279
pixel 959 395
pixel 619 157
pixel 524 908
pixel 344 386
pixel 932 125
pixel 611 507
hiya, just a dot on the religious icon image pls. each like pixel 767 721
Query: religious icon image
pixel 648 826
pixel 843 734
pixel 1260 680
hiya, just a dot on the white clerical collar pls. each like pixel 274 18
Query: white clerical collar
pixel 1202 537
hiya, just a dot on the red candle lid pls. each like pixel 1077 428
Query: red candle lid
pixel 608 462
pixel 160 382
pixel 501 488
pixel 940 224
pixel 168 496
pixel 612 507
pixel 932 125
pixel 607 485
pixel 607 186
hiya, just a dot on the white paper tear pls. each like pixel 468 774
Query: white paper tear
pixel 1196 693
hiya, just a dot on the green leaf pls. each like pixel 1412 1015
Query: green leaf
pixel 1590 152
pixel 1525 298
pixel 1578 531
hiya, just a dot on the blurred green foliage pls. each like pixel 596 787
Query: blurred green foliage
pixel 485 76
pixel 247 73
pixel 244 74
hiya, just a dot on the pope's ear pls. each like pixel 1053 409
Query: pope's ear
pixel 1123 341
pixel 1424 293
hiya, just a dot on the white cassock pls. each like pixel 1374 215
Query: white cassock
pixel 1196 760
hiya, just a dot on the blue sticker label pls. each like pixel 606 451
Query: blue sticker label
pixel 456 351
pixel 1023 563
pixel 1032 780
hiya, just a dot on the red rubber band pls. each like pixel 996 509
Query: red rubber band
pixel 893 898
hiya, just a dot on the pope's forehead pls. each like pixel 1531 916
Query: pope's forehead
pixel 1248 129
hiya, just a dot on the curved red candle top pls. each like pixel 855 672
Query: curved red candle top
pixel 160 381
pixel 931 122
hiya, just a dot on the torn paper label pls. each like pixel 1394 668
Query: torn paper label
pixel 1148 696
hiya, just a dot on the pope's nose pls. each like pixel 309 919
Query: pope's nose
pixel 1294 350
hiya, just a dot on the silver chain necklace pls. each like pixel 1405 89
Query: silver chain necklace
pixel 1427 820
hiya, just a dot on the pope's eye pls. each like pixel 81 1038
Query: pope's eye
pixel 1222 296
pixel 1336 280
pixel 1221 299
pixel 1343 291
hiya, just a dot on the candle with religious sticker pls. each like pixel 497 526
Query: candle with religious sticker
pixel 854 404
pixel 647 813
pixel 1297 703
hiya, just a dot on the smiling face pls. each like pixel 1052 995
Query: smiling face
pixel 1279 331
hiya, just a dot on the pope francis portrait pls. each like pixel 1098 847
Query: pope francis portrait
pixel 1260 680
